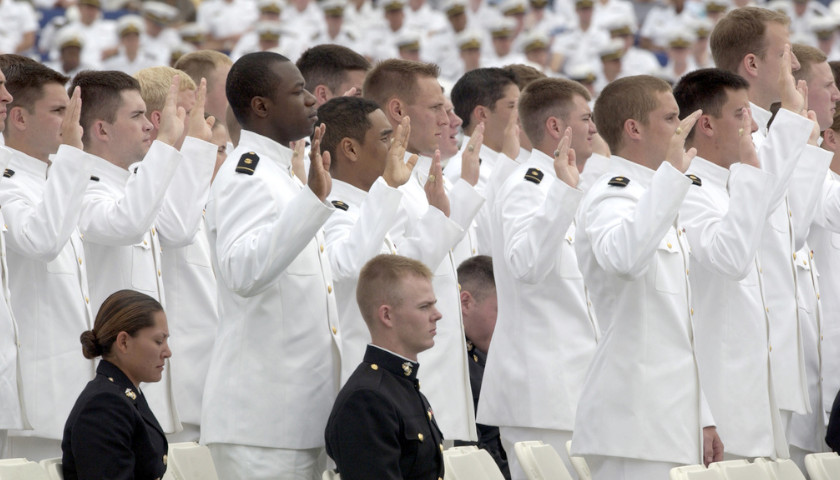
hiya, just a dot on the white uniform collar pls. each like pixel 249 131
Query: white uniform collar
pixel 266 146
pixel 761 116
pixel 710 173
pixel 540 159
pixel 596 163
pixel 28 163
pixel 347 193
pixel 107 171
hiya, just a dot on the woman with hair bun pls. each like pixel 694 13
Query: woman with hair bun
pixel 111 433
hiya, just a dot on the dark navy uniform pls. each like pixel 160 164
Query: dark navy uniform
pixel 832 435
pixel 111 432
pixel 381 426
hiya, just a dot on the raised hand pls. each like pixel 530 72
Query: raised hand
pixel 746 147
pixel 320 181
pixel 172 116
pixel 565 165
pixel 397 170
pixel 510 144
pixel 198 126
pixel 676 155
pixel 298 167
pixel 599 145
pixel 435 193
pixel 470 163
pixel 794 94
pixel 815 132
pixel 71 130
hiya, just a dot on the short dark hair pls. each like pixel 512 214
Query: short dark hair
pixel 26 81
pixel 251 76
pixel 624 99
pixel 328 64
pixel 544 98
pixel 345 117
pixel 524 74
pixel 706 89
pixel 10 60
pixel 475 275
pixel 396 77
pixel 479 87
pixel 101 95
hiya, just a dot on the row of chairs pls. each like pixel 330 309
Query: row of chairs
pixel 820 466
pixel 187 461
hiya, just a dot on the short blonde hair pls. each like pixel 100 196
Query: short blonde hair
pixel 808 56
pixel 380 283
pixel 201 63
pixel 154 85
pixel 741 32
pixel 624 99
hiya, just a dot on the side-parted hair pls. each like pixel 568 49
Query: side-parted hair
pixel 380 283
pixel 742 31
pixel 154 85
pixel 11 60
pixel 345 117
pixel 808 57
pixel 479 87
pixel 328 64
pixel 251 76
pixel 101 96
pixel 123 311
pixel 524 74
pixel 26 81
pixel 624 99
pixel 548 97
pixel 706 89
pixel 396 78
pixel 201 63
pixel 475 275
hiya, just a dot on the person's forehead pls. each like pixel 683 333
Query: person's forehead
pixel 131 100
pixel 288 73
pixel 378 121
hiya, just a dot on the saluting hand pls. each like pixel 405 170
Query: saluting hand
pixel 435 193
pixel 676 154
pixel 565 165
pixel 470 161
pixel 794 94
pixel 320 181
pixel 71 130
pixel 746 147
pixel 172 116
pixel 510 142
pixel 397 170
pixel 200 127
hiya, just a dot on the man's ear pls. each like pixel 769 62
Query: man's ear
pixel 395 110
pixel 704 126
pixel 260 106
pixel 830 140
pixel 633 129
pixel 16 118
pixel 467 301
pixel 554 127
pixel 749 65
pixel 322 94
pixel 349 148
pixel 155 118
pixel 99 131
pixel 385 314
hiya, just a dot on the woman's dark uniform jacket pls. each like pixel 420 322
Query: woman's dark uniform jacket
pixel 111 433
pixel 381 426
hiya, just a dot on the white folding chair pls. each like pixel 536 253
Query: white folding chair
pixel 695 472
pixel 735 470
pixel 780 469
pixel 191 461
pixel 470 464
pixel 540 461
pixel 330 475
pixel 578 463
pixel 823 466
pixel 21 469
pixel 53 468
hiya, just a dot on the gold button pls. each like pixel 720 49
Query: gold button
pixel 322 249
pixel 153 230
pixel 111 379
pixel 420 437
pixel 771 348
pixel 473 251
pixel 82 236
pixel 804 262
pixel 686 271
pixel 822 338
pixel 145 242
pixel 335 330
pixel 818 296
pixel 459 287
pixel 374 366
pixel 329 289
pixel 441 447
pixel 760 270
pixel 429 413
pixel 164 459
pixel 812 254
pixel 679 233
pixel 669 245
pixel 80 260
pixel 767 309
pixel 692 311
pixel 790 213
pixel 158 272
pixel 794 255
pixel 87 300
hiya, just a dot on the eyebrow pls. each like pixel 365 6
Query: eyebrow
pixel 387 131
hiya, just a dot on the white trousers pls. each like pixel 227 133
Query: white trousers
pixel 242 462
pixel 620 468
pixel 555 438
pixel 32 448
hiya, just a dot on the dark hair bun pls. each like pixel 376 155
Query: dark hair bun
pixel 90 347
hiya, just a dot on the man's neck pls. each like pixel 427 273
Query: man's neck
pixel 761 99
pixel 22 147
pixel 349 176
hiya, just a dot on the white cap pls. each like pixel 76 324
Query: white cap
pixel 69 36
pixel 159 12
pixel 469 39
pixel 535 39
pixel 409 40
pixel 680 37
pixel 502 27
pixel 612 50
pixel 130 24
pixel 512 7
pixel 454 7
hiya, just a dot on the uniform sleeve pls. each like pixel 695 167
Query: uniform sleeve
pixel 782 150
pixel 625 230
pixel 101 439
pixel 186 196
pixel 41 230
pixel 533 218
pixel 123 221
pixel 427 239
pixel 363 438
pixel 351 244
pixel 811 196
pixel 257 239
pixel 465 202
pixel 726 241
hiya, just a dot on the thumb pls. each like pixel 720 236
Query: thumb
pixel 412 161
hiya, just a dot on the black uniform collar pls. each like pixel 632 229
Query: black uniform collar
pixel 475 354
pixel 116 376
pixel 391 362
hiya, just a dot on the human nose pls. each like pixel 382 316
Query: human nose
pixel 794 62
pixel 309 99
pixel 166 351
pixel 5 96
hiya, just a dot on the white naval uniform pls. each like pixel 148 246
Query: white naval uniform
pixel 596 165
pixel 122 63
pixel 355 233
pixel 642 397
pixel 275 369
pixel 450 394
pixel 49 285
pixel 544 323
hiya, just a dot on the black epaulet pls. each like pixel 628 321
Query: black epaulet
pixel 247 163
pixel 8 173
pixel 618 181
pixel 534 175
pixel 340 205
pixel 695 180
pixel 94 178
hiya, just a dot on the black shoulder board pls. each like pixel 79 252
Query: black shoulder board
pixel 340 205
pixel 94 178
pixel 695 180
pixel 8 173
pixel 247 163
pixel 619 181
pixel 534 175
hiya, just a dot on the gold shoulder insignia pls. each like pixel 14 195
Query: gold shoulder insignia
pixel 247 163
pixel 695 180
pixel 8 173
pixel 406 368
pixel 534 175
pixel 130 394
pixel 619 181
pixel 340 205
